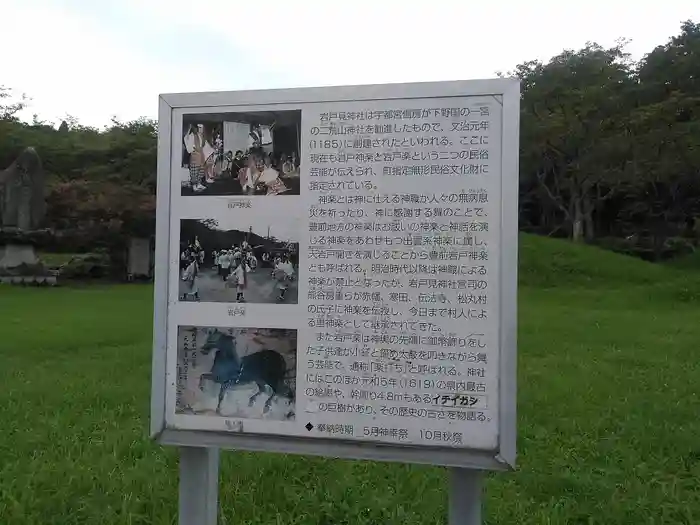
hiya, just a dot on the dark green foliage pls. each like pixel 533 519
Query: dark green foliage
pixel 101 182
pixel 610 154
pixel 86 266
pixel 611 148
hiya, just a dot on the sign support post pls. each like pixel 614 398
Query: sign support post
pixel 465 496
pixel 199 486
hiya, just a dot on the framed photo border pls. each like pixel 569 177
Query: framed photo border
pixel 507 92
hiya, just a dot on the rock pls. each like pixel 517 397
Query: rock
pixel 23 192
pixel 22 210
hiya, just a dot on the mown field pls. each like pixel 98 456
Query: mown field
pixel 609 410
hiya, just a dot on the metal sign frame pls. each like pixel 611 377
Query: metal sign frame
pixel 171 109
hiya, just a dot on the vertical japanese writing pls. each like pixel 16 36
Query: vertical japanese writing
pixel 195 348
pixel 183 366
pixel 402 269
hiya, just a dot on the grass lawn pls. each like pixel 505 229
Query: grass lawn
pixel 609 401
pixel 687 262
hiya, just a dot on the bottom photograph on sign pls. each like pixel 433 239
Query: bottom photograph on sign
pixel 247 373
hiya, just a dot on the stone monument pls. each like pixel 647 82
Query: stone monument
pixel 22 211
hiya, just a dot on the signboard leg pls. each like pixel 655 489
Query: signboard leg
pixel 199 486
pixel 465 497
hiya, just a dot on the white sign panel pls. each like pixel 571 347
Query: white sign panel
pixel 344 279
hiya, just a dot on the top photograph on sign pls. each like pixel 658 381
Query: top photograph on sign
pixel 241 153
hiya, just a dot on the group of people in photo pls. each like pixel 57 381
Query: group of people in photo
pixel 258 170
pixel 233 265
pixel 263 173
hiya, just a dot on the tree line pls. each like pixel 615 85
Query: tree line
pixel 610 154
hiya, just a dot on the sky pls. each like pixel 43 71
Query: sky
pixel 96 60
pixel 281 227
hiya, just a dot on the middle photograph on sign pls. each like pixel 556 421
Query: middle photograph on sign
pixel 234 261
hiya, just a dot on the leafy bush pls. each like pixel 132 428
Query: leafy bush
pixel 54 261
pixel 86 266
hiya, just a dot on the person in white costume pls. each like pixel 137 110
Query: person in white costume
pixel 237 257
pixel 200 151
pixel 248 175
pixel 239 276
pixel 284 272
pixel 225 260
pixel 190 277
pixel 251 261
pixel 289 168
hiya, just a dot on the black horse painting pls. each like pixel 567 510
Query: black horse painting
pixel 266 368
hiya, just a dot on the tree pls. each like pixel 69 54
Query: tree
pixel 573 117
pixel 9 105
pixel 672 67
pixel 102 208
pixel 610 153
pixel 665 128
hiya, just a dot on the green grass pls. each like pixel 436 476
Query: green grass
pixel 609 411
pixel 550 262
pixel 687 262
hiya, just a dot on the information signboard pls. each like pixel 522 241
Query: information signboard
pixel 336 272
